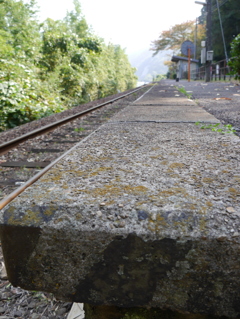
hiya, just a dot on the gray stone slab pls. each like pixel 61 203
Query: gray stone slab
pixel 174 100
pixel 149 217
pixel 165 113
pixel 138 214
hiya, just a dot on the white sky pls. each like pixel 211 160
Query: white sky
pixel 131 23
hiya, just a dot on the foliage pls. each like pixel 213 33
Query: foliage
pixel 182 90
pixel 176 35
pixel 22 97
pixel 173 38
pixel 159 77
pixel 230 16
pixel 50 66
pixel 172 69
pixel 234 63
pixel 223 129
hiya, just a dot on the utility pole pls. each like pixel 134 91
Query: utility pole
pixel 209 39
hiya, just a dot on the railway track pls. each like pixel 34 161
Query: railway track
pixel 25 158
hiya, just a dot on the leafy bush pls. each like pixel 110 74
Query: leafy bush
pixel 48 67
pixel 234 62
pixel 20 104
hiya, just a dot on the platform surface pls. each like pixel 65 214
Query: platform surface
pixel 143 212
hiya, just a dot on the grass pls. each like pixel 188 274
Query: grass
pixel 223 129
pixel 80 129
pixel 182 90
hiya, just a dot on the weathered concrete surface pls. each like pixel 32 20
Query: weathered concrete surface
pixel 139 214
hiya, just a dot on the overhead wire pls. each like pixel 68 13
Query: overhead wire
pixel 223 38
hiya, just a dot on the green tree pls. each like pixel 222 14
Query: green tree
pixel 230 17
pixel 18 20
pixel 48 67
pixel 235 59
pixel 76 21
pixel 176 35
pixel 22 96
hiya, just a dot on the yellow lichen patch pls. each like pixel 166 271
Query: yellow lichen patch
pixel 208 180
pixel 78 216
pixel 59 220
pixel 125 170
pixel 117 190
pixel 165 162
pixel 227 171
pixel 176 165
pixel 140 204
pixel 34 216
pixel 209 204
pixel 140 189
pixel 189 206
pixel 49 211
pixel 80 173
pixel 202 224
pixel 88 158
pixel 174 175
pixel 224 160
pixel 158 224
pixel 172 191
pixel 161 220
pixel 103 158
pixel 109 203
pixel 234 192
pixel 98 170
pixel 153 198
pixel 210 156
pixel 29 218
pixel 173 154
pixel 156 156
pixel 196 173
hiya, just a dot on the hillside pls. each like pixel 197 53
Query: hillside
pixel 148 66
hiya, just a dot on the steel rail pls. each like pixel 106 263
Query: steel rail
pixel 32 180
pixel 47 128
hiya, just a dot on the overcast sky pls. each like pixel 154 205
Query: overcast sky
pixel 132 24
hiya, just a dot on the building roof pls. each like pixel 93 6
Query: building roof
pixel 176 58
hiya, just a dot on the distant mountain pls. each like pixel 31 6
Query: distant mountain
pixel 148 66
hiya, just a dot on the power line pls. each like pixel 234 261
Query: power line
pixel 214 7
pixel 220 20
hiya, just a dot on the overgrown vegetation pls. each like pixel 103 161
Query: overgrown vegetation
pixel 223 129
pixel 50 66
pixel 173 38
pixel 230 16
pixel 234 63
pixel 182 90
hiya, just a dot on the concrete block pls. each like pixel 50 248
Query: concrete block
pixel 139 214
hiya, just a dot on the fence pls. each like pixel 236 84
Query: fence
pixel 219 71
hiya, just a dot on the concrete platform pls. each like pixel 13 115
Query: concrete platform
pixel 144 212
